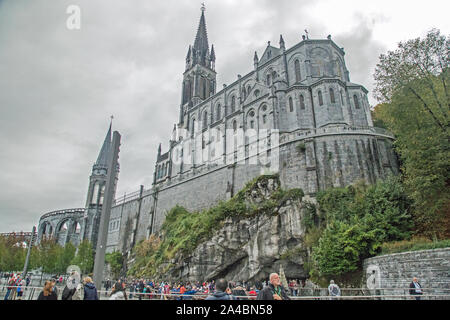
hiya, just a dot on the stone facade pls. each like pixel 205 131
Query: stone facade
pixel 394 272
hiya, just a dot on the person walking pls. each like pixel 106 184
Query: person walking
pixel 334 290
pixel 223 292
pixel 118 292
pixel 274 290
pixel 20 285
pixel 415 288
pixel 69 289
pixel 90 291
pixel 47 292
pixel 11 285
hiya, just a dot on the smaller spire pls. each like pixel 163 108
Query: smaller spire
pixel 282 43
pixel 188 56
pixel 159 150
pixel 213 54
pixel 255 58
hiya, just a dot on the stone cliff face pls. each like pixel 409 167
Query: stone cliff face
pixel 249 248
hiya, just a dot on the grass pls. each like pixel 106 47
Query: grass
pixel 414 244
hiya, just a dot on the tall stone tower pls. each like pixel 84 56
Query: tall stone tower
pixel 199 78
pixel 96 190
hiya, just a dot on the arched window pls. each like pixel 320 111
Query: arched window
pixel 102 194
pixel 268 80
pixel 166 167
pixel 248 91
pixel 342 98
pixel 298 77
pixel 204 84
pixel 193 127
pixel 332 99
pixel 205 119
pixel 218 112
pixel 95 193
pixel 291 105
pixel 77 228
pixel 302 102
pixel 234 126
pixel 320 98
pixel 233 104
pixel 355 99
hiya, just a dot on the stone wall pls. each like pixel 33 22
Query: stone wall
pixel 329 158
pixel 395 271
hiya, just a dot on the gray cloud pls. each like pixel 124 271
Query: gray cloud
pixel 59 87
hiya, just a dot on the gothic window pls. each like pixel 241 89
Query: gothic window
pixel 320 98
pixel 256 93
pixel 77 228
pixel 302 102
pixel 342 98
pixel 95 193
pixel 248 91
pixel 166 169
pixel 193 126
pixel 205 119
pixel 268 80
pixel 102 194
pixel 252 124
pixel 264 108
pixel 264 118
pixel 355 99
pixel 218 112
pixel 233 104
pixel 297 71
pixel 332 99
pixel 291 105
pixel 204 88
pixel 234 126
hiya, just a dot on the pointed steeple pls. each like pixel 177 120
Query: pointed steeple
pixel 188 56
pixel 201 47
pixel 103 156
pixel 201 39
pixel 255 60
pixel 282 43
pixel 213 54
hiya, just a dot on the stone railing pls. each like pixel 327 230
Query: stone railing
pixel 79 211
pixel 336 129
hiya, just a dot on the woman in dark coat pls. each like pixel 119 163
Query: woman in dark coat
pixel 48 293
pixel 90 291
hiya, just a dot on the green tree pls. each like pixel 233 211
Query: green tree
pixel 412 82
pixel 67 254
pixel 84 257
pixel 115 260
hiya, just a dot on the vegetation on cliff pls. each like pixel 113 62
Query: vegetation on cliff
pixel 351 224
pixel 182 231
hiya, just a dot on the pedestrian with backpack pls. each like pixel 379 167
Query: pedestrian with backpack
pixel 333 290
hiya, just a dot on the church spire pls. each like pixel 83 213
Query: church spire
pixel 102 159
pixel 201 47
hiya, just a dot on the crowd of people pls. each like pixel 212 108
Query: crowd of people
pixel 124 289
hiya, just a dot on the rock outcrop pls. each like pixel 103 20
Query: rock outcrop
pixel 250 248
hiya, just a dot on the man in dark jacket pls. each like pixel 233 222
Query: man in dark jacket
pixel 222 291
pixel 416 288
pixel 274 290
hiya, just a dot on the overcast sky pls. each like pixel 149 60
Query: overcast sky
pixel 59 87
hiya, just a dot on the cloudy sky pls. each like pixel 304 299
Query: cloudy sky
pixel 59 87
